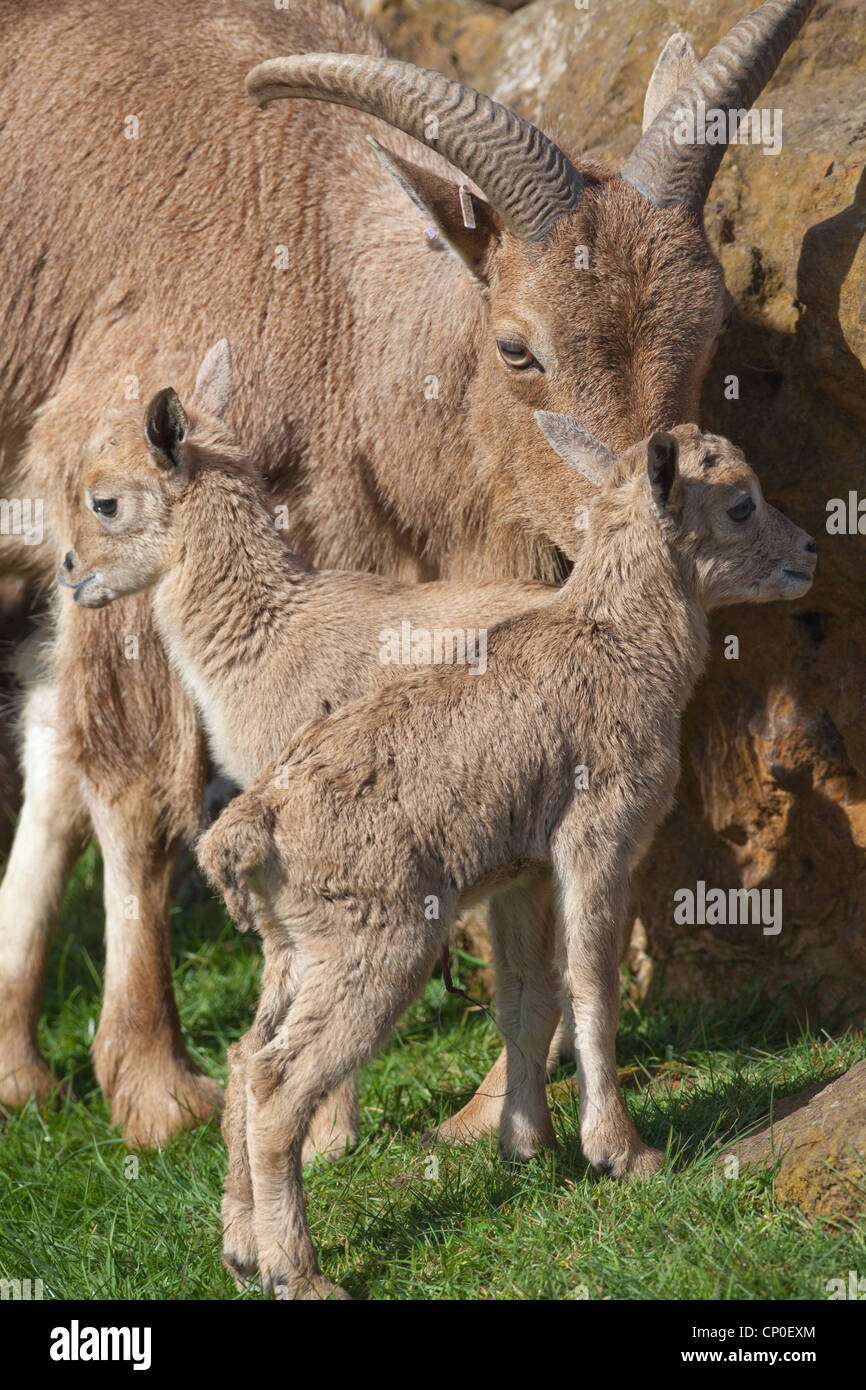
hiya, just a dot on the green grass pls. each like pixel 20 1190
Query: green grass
pixel 93 1221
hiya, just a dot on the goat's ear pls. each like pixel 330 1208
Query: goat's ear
pixel 213 385
pixel 576 446
pixel 663 451
pixel 676 63
pixel 165 429
pixel 463 222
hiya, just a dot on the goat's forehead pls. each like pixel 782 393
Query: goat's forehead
pixel 720 468
pixel 615 231
pixel 116 431
pixel 613 295
pixel 111 470
pixel 96 478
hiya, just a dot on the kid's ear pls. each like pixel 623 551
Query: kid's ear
pixel 213 385
pixel 662 455
pixel 676 63
pixel 166 428
pixel 465 223
pixel 576 446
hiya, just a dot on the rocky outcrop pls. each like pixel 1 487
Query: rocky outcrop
pixel 773 790
pixel 442 34
pixel 818 1140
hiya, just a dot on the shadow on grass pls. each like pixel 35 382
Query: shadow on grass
pixel 726 1094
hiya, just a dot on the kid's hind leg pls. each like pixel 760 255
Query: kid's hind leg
pixel 239 1238
pixel 350 994
pixel 512 1096
pixel 240 1254
pixel 277 992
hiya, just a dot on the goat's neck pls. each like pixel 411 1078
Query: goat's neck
pixel 627 578
pixel 232 581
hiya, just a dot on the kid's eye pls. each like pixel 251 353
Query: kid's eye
pixel 516 355
pixel 105 506
pixel 742 510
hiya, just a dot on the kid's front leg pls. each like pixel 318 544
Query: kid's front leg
pixel 594 898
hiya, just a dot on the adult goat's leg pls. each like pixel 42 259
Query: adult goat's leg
pixel 139 1055
pixel 50 834
pixel 137 743
pixel 334 1126
pixel 512 1096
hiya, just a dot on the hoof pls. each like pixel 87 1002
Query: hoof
pixel 242 1270
pixel 526 1146
pixel 239 1253
pixel 636 1161
pixel 339 1143
pixel 480 1117
pixel 154 1109
pixel 23 1073
pixel 645 1163
pixel 313 1288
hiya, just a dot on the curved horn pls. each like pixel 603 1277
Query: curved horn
pixel 731 78
pixel 520 171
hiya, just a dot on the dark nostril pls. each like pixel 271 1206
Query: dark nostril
pixel 811 546
pixel 69 560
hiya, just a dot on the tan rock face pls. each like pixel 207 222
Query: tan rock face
pixel 773 790
pixel 818 1139
pixel 439 34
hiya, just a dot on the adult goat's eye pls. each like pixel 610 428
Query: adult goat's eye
pixel 742 510
pixel 105 506
pixel 516 354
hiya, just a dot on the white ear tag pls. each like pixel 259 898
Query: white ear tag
pixel 466 208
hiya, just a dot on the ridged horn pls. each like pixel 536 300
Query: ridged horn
pixel 520 171
pixel 731 78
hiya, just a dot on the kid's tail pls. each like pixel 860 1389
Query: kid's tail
pixel 237 846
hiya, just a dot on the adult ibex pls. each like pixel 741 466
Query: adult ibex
pixel 368 343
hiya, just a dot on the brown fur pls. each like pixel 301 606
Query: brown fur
pixel 260 641
pixel 440 785
pixel 129 256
